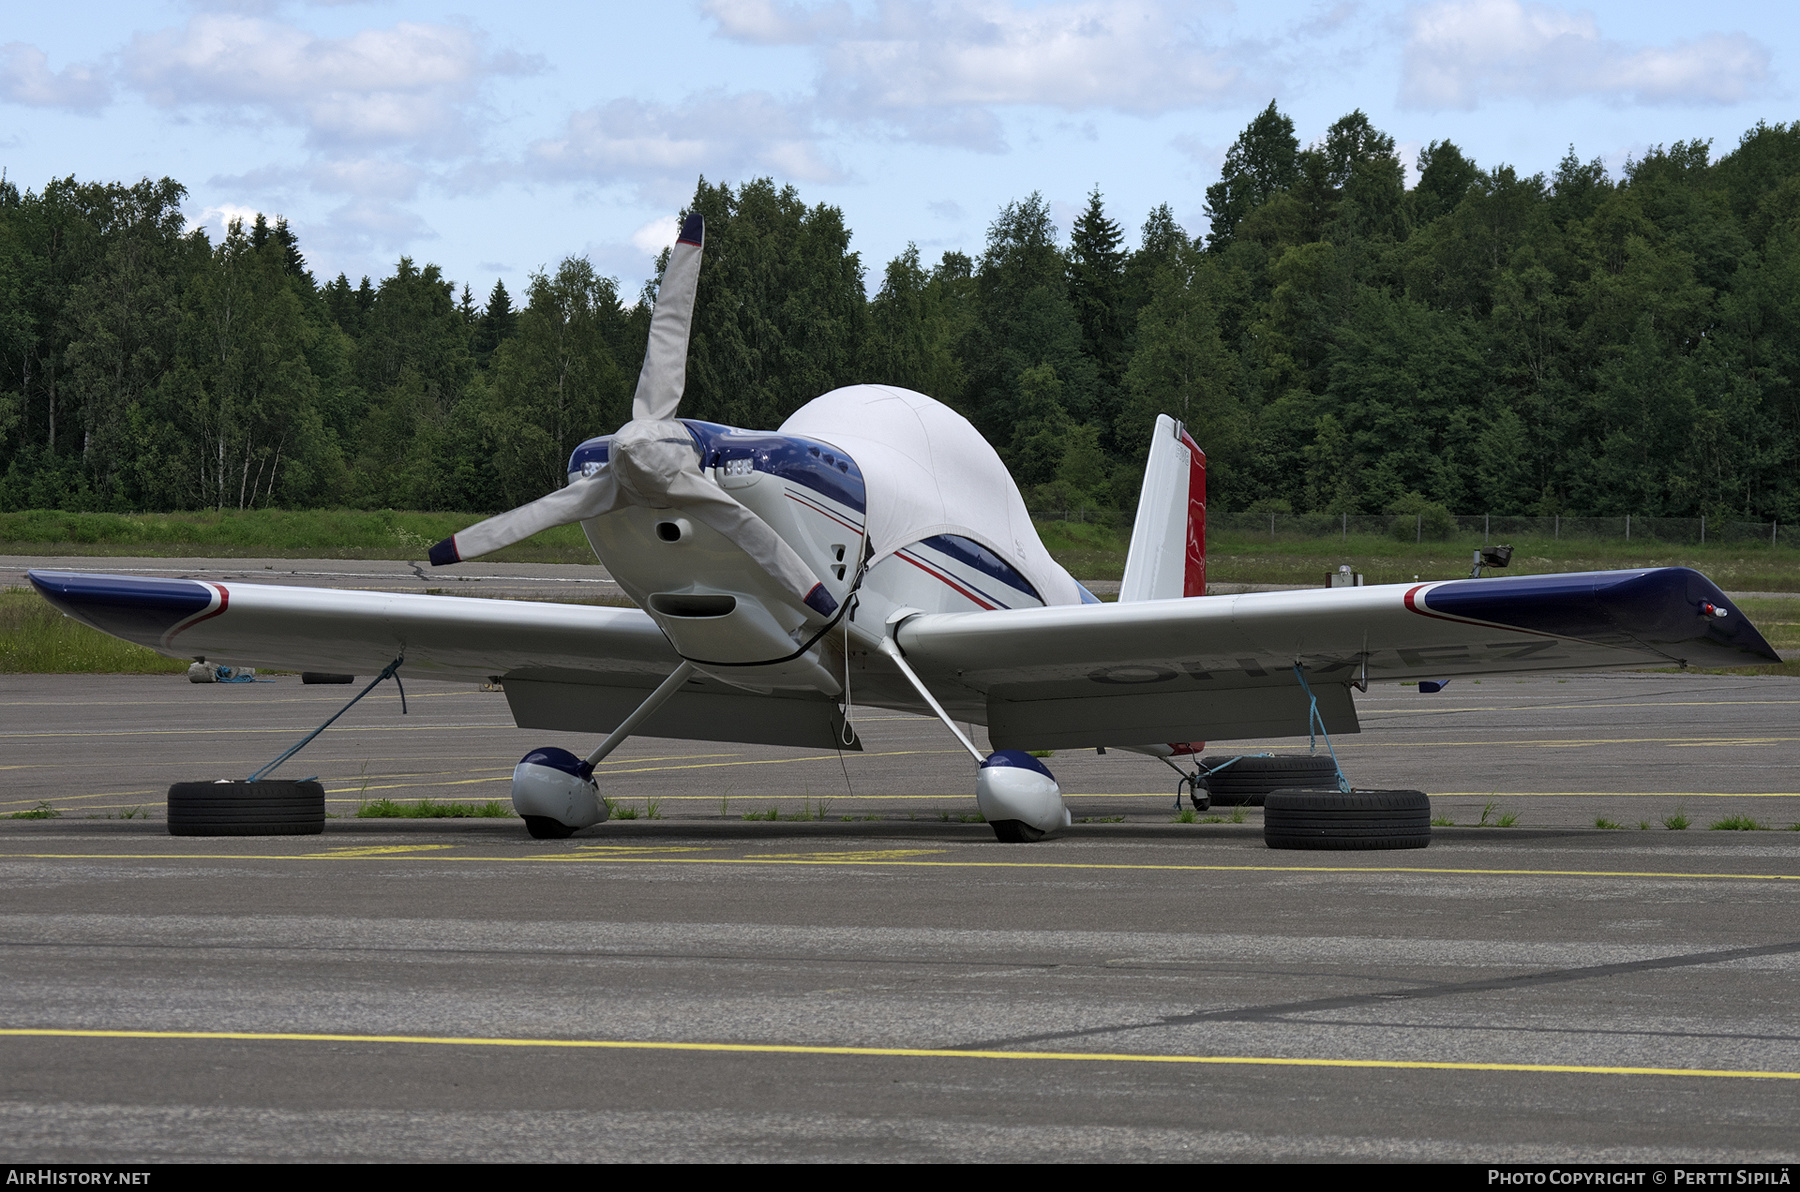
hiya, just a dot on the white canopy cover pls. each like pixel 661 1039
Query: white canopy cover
pixel 928 472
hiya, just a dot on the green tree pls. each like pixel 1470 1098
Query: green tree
pixel 122 318
pixel 1180 367
pixel 557 381
pixel 1024 321
pixel 1261 163
pixel 913 329
pixel 498 323
pixel 240 406
pixel 1445 176
pixel 780 314
pixel 1096 288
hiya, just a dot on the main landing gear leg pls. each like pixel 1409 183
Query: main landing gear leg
pixel 1017 794
pixel 554 791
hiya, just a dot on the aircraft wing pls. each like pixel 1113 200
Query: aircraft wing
pixel 1220 668
pixel 569 667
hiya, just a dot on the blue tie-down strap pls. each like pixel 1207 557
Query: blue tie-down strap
pixel 231 674
pixel 1314 721
pixel 392 670
pixel 1203 771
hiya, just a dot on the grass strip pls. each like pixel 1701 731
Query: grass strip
pixel 267 533
pixel 35 639
pixel 432 809
pixel 1087 549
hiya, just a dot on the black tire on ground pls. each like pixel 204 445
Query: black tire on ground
pixel 1330 819
pixel 1015 832
pixel 542 827
pixel 271 807
pixel 1200 794
pixel 1247 781
pixel 323 677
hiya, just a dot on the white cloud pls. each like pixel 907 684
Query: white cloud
pixel 663 148
pixel 935 70
pixel 385 112
pixel 26 78
pixel 410 84
pixel 656 235
pixel 764 22
pixel 1460 52
pixel 224 214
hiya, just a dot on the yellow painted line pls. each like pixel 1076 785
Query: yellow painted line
pixel 395 786
pixel 1616 795
pixel 162 703
pixel 1732 741
pixel 949 1053
pixel 1549 742
pixel 782 761
pixel 1597 706
pixel 377 850
pixel 221 732
pixel 848 804
pixel 827 859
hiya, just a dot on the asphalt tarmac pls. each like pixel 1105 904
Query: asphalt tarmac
pixel 703 986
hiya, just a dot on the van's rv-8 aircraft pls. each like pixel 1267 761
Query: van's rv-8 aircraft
pixel 874 550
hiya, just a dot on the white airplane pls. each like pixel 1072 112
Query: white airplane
pixel 874 550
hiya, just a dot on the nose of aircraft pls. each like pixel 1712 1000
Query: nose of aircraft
pixel 648 456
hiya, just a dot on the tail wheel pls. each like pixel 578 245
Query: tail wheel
pixel 1247 781
pixel 1358 820
pixel 1015 832
pixel 270 807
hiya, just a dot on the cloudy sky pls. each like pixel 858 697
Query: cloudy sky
pixel 497 140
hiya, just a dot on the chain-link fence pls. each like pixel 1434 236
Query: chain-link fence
pixel 1461 528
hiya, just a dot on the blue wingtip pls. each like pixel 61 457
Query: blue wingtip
pixel 693 230
pixel 821 601
pixel 444 553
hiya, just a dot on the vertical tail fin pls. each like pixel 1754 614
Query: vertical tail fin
pixel 1168 542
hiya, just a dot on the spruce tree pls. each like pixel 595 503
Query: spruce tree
pixel 292 262
pixel 1096 287
pixel 498 321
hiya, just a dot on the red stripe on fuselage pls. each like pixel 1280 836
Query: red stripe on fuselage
pixel 818 508
pixel 946 579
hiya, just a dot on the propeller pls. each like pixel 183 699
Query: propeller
pixel 652 461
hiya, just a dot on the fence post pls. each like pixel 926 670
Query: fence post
pixel 1628 527
pixel 1271 527
pixel 1346 533
pixel 1558 532
pixel 1418 527
pixel 1487 521
pixel 1703 529
pixel 1773 526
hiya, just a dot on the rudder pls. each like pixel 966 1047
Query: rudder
pixel 1167 559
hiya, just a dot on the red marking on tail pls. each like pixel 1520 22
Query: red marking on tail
pixel 1194 582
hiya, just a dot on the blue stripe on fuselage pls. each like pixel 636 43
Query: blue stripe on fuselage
pixel 1659 608
pixel 807 462
pixel 972 554
pixel 124 606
